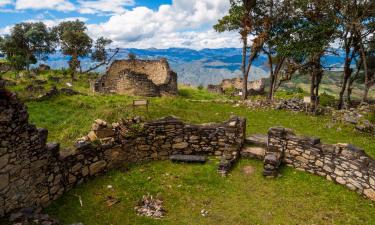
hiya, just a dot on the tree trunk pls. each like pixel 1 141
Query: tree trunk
pixel 346 76
pixel 243 66
pixel 365 68
pixel 252 57
pixel 272 78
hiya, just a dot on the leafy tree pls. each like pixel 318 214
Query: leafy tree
pixel 239 19
pixel 74 42
pixel 100 53
pixel 26 43
pixel 310 30
pixel 354 18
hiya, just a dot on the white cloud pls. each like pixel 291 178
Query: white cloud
pixel 104 6
pixel 5 2
pixel 185 23
pixel 59 5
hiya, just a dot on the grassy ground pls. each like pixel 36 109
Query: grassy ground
pixel 295 198
pixel 70 117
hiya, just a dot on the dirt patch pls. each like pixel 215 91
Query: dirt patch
pixel 248 170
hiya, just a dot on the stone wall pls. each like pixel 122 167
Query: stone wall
pixel 138 77
pixel 33 173
pixel 253 87
pixel 341 163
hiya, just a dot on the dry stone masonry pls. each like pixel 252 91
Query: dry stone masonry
pixel 138 77
pixel 235 85
pixel 33 173
pixel 342 163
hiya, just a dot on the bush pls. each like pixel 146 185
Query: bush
pixel 326 99
pixel 200 87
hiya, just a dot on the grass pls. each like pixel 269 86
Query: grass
pixel 295 198
pixel 70 117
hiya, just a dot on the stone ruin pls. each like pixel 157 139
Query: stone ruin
pixel 33 172
pixel 344 164
pixel 256 87
pixel 149 78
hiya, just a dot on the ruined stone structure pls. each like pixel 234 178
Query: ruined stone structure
pixel 341 163
pixel 138 77
pixel 253 87
pixel 33 173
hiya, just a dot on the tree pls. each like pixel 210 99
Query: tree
pixel 354 17
pixel 239 19
pixel 100 53
pixel 26 43
pixel 74 42
pixel 310 31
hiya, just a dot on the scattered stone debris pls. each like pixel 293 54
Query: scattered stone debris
pixel 355 117
pixel 34 88
pixel 54 92
pixel 204 212
pixel 54 79
pixel 150 207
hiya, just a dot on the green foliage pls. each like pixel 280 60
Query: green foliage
pixel 327 100
pixel 200 87
pixel 26 43
pixel 74 41
pixel 100 53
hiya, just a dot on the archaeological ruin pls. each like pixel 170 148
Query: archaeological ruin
pixel 235 86
pixel 149 78
pixel 33 173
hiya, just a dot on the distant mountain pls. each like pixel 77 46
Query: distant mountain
pixel 195 67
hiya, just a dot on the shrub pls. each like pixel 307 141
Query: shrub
pixel 326 99
pixel 200 87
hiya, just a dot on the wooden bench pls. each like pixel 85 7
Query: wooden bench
pixel 140 102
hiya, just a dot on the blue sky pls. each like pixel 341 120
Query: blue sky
pixel 130 23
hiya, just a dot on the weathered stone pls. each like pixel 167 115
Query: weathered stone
pixel 340 180
pixel 4 160
pixel 369 193
pixel 4 181
pixel 97 167
pixel 180 145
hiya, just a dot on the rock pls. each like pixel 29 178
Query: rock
pixel 369 193
pixel 97 167
pixel 180 145
pixel 4 181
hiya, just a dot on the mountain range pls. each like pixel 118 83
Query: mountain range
pixel 194 67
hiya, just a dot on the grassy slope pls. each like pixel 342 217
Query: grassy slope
pixel 295 198
pixel 330 84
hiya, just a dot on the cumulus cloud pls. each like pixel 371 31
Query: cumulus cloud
pixel 5 3
pixel 104 6
pixel 185 23
pixel 60 5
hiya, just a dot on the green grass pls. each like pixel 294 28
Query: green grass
pixel 295 198
pixel 70 117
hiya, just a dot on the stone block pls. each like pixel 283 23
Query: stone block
pixel 180 145
pixel 97 167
